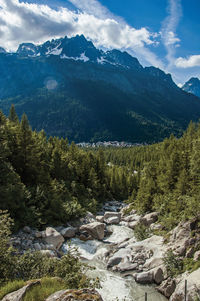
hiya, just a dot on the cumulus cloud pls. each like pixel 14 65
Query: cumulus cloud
pixel 25 22
pixel 168 32
pixel 191 61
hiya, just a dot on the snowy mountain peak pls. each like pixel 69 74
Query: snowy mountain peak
pixel 27 49
pixel 192 86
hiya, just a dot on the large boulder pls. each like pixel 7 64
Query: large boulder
pixel 19 294
pixel 113 261
pixel 68 232
pixel 75 295
pixel 113 220
pixel 53 237
pixel 131 218
pixel 133 224
pixel 127 266
pixel 119 256
pixel 100 218
pixel 158 275
pixel 95 229
pixel 167 287
pixel 149 218
pixel 112 217
pixel 144 278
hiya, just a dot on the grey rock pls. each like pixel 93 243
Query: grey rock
pixel 149 218
pixel 144 278
pixel 37 246
pixel 158 275
pixel 112 214
pixel 74 295
pixel 181 251
pixel 112 220
pixel 100 218
pixel 53 237
pixel 167 287
pixel 133 224
pixel 127 266
pixel 95 229
pixel 113 261
pixel 68 232
pixel 196 255
pixel 131 218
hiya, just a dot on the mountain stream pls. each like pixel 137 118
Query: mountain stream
pixel 115 287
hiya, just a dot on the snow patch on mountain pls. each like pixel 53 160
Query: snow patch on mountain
pixel 82 57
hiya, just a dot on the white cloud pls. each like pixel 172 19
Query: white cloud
pixel 25 22
pixel 191 61
pixel 168 34
pixel 93 7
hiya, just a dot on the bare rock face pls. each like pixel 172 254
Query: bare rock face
pixel 75 295
pixel 53 237
pixel 193 287
pixel 96 230
pixel 19 294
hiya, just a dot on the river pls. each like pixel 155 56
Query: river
pixel 115 287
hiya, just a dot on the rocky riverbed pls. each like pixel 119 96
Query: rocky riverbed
pixel 127 267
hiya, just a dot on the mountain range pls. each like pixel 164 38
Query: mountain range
pixel 71 89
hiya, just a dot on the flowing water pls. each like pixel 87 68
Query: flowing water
pixel 115 287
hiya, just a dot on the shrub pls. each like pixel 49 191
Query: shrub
pixel 32 265
pixel 173 264
pixel 141 232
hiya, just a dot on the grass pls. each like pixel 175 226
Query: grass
pixel 48 286
pixel 11 287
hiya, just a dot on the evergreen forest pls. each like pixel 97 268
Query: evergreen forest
pixel 47 181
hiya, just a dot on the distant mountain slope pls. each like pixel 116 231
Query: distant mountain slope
pixel 70 88
pixel 192 86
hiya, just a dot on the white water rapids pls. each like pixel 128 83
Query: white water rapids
pixel 115 287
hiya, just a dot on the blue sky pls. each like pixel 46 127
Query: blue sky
pixel 163 33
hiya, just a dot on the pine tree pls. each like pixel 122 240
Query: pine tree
pixel 13 115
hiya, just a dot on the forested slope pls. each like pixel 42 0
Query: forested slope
pixel 49 181
pixel 165 177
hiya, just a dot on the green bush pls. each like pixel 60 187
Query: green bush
pixel 141 232
pixel 34 265
pixel 173 264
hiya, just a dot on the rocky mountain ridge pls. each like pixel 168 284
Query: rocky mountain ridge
pixel 192 86
pixel 71 89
